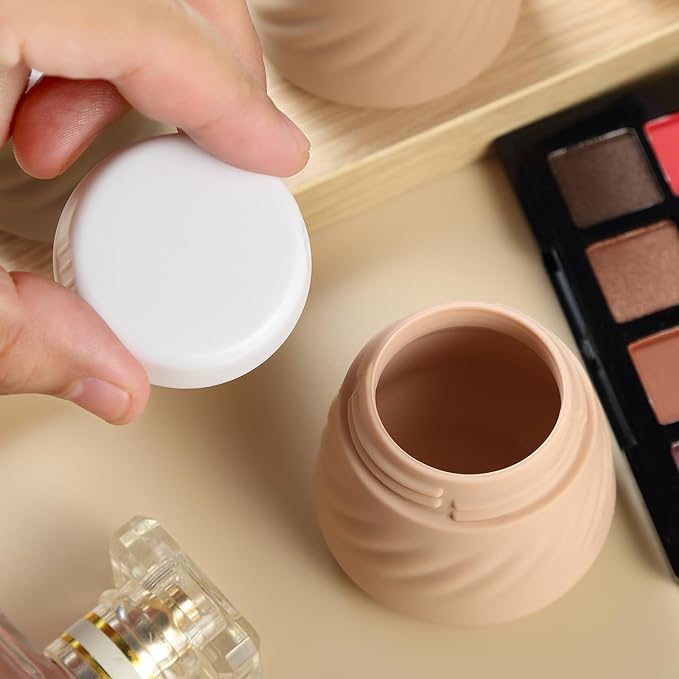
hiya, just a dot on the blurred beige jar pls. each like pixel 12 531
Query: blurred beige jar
pixel 383 53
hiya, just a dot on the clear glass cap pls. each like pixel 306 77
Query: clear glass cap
pixel 164 619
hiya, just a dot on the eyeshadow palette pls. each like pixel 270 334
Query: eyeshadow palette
pixel 599 184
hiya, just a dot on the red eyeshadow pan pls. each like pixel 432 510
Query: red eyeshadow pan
pixel 663 135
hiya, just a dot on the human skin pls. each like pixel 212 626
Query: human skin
pixel 195 64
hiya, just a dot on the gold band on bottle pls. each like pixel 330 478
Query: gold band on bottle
pixel 120 643
pixel 85 656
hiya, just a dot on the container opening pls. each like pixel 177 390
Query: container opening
pixel 468 400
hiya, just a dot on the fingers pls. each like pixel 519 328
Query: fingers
pixel 58 119
pixel 52 342
pixel 13 82
pixel 168 62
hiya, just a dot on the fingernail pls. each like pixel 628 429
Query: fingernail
pixel 101 398
pixel 301 141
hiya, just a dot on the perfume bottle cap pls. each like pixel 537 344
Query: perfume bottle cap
pixel 164 619
pixel 201 269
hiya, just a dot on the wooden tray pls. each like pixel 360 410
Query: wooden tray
pixel 563 51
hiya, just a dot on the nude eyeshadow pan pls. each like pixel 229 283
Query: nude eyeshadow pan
pixel 656 359
pixel 599 184
pixel 638 271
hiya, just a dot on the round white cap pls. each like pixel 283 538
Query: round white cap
pixel 201 269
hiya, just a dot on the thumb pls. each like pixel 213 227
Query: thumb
pixel 52 342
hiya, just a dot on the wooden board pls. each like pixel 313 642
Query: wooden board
pixel 563 51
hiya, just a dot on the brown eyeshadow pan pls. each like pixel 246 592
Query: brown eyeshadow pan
pixel 638 271
pixel 605 177
pixel 656 359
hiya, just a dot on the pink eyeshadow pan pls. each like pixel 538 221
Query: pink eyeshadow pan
pixel 656 359
pixel 663 135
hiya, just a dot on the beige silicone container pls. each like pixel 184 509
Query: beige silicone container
pixel 465 475
pixel 383 53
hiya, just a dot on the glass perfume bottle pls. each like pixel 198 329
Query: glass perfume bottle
pixel 163 620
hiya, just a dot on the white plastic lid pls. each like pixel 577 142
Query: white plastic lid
pixel 201 269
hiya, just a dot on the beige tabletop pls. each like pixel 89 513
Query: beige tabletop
pixel 228 471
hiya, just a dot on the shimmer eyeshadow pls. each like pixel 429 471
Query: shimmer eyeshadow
pixel 656 359
pixel 638 271
pixel 605 177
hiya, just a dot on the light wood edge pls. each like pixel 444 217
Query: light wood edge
pixel 21 254
pixel 447 147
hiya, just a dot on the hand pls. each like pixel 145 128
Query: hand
pixel 195 64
